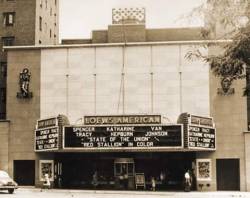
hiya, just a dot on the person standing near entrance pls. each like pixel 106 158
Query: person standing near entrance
pixel 187 182
pixel 46 183
pixel 124 177
pixel 95 179
pixel 153 183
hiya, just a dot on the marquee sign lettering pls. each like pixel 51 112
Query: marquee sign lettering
pixel 203 121
pixel 201 137
pixel 201 133
pixel 47 134
pixel 46 139
pixel 123 137
pixel 50 122
pixel 123 119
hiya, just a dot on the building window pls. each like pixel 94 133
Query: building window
pixel 46 4
pixel 8 41
pixel 2 116
pixel 3 95
pixel 40 42
pixel 55 2
pixel 3 69
pixel 40 23
pixel 50 33
pixel 41 3
pixel 9 18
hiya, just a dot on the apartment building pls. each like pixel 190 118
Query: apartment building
pixel 29 22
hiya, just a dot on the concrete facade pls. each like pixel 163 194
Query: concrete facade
pixel 247 160
pixel 230 115
pixel 4 146
pixel 23 120
pixel 157 79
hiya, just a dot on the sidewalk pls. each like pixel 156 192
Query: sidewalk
pixel 193 194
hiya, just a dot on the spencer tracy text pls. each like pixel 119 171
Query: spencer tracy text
pixel 123 136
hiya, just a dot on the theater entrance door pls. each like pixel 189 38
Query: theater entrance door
pixel 124 172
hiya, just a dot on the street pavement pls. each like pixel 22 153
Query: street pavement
pixel 55 193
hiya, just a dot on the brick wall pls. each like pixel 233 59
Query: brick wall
pixel 138 33
pixel 100 36
pixel 76 41
pixel 173 34
pixel 128 33
pixel 24 25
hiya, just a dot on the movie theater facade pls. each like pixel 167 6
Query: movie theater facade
pixel 114 116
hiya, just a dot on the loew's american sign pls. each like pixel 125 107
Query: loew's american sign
pixel 122 119
pixel 123 137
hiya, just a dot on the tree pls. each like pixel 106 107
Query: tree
pixel 233 17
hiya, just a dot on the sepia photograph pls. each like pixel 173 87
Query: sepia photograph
pixel 124 98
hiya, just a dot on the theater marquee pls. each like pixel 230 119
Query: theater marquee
pixel 116 133
pixel 47 134
pixel 126 137
pixel 201 133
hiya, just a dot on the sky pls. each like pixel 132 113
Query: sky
pixel 79 17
